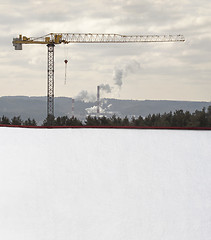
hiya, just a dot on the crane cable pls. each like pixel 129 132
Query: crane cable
pixel 65 74
pixel 65 61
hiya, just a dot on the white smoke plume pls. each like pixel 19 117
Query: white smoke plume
pixel 86 97
pixel 93 110
pixel 118 75
pixel 121 72
pixel 104 109
pixel 132 67
pixel 106 88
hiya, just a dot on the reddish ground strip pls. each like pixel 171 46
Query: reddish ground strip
pixel 109 127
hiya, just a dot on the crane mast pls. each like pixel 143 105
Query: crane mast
pixel 52 39
pixel 50 87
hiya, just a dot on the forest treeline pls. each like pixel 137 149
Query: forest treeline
pixel 178 118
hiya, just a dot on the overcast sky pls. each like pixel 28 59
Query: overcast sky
pixel 165 71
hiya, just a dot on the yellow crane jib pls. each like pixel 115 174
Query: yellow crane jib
pixel 58 38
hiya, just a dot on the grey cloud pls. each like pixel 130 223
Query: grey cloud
pixel 36 18
pixel 11 19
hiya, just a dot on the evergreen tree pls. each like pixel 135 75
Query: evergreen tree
pixel 137 121
pixel 73 121
pixel 5 120
pixel 92 121
pixel 166 120
pixel 49 121
pixel 125 122
pixel 209 116
pixel 30 122
pixel 203 121
pixel 16 121
pixel 104 121
pixel 148 121
pixel 116 121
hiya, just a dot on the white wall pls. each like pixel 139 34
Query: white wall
pixel 100 184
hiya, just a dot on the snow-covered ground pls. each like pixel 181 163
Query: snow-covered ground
pixel 105 184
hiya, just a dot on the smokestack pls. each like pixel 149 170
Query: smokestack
pixel 98 101
pixel 73 107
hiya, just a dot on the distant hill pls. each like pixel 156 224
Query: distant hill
pixel 35 107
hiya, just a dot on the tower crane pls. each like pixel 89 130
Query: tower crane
pixel 53 39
